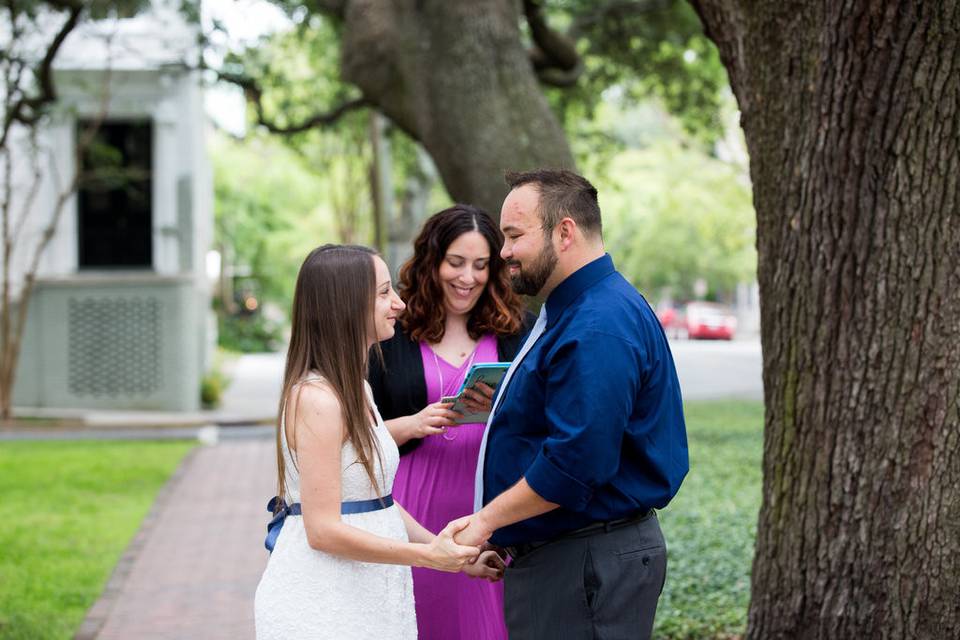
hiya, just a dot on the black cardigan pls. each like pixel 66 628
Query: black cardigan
pixel 399 385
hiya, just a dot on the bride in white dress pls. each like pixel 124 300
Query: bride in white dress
pixel 342 568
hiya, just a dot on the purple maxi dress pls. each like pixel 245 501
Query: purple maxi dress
pixel 434 483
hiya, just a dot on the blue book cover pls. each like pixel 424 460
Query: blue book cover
pixel 490 373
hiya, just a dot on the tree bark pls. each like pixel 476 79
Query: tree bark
pixel 851 111
pixel 456 77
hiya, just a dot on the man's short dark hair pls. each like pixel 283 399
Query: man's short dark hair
pixel 562 194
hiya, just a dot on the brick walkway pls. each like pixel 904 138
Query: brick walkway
pixel 192 570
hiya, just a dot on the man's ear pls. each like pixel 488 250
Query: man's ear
pixel 566 230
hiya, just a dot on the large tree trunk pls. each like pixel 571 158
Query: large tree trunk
pixel 455 76
pixel 851 111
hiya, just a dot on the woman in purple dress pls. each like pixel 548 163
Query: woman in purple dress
pixel 460 311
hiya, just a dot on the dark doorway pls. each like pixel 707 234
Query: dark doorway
pixel 114 199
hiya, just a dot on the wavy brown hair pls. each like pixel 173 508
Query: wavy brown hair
pixel 333 306
pixel 498 310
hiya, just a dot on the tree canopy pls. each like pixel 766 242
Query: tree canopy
pixel 621 53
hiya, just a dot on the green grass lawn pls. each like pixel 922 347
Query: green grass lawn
pixel 711 524
pixel 68 510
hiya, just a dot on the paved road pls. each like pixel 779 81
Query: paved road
pixel 711 370
pixel 708 369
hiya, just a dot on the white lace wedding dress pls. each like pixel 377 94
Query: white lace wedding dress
pixel 306 593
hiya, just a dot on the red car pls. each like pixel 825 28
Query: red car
pixel 699 320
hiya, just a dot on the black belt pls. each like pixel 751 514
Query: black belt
pixel 522 549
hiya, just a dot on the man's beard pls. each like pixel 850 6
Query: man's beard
pixel 529 281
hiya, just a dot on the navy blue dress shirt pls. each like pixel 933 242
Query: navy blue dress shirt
pixel 592 417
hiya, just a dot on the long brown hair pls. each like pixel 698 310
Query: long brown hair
pixel 332 322
pixel 499 310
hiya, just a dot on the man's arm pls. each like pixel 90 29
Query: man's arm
pixel 590 386
pixel 517 503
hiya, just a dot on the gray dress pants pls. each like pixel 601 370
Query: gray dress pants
pixel 603 585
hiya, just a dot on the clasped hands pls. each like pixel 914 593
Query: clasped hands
pixel 465 539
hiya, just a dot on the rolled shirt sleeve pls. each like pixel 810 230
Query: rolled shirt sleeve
pixel 590 387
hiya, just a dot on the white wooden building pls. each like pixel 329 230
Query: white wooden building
pixel 119 317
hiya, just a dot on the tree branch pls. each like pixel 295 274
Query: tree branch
pixel 48 92
pixel 5 316
pixel 12 329
pixel 16 328
pixel 335 8
pixel 44 76
pixel 20 222
pixel 254 95
pixel 559 78
pixel 553 49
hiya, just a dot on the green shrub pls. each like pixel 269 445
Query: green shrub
pixel 212 386
pixel 216 380
pixel 249 333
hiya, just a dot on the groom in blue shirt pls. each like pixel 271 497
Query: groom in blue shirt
pixel 586 437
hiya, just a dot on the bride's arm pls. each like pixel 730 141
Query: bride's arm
pixel 319 436
pixel 415 531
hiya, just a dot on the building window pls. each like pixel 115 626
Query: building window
pixel 114 197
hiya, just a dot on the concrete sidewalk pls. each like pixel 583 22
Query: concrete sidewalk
pixel 192 569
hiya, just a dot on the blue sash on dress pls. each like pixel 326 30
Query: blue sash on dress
pixel 280 510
